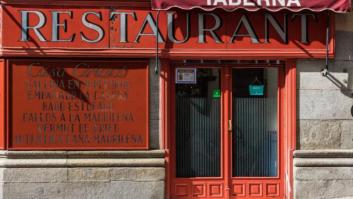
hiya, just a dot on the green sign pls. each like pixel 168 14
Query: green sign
pixel 256 90
pixel 216 93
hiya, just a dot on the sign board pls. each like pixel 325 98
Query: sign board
pixel 256 90
pixel 186 76
pixel 46 30
pixel 78 105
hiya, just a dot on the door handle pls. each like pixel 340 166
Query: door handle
pixel 230 127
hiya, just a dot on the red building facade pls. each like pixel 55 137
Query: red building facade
pixel 98 79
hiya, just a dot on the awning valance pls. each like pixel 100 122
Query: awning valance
pixel 254 5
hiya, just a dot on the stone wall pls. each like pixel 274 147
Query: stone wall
pixel 323 162
pixel 324 108
pixel 79 174
pixel 125 182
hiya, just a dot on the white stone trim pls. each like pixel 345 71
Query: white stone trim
pixel 41 159
pixel 327 153
pixel 323 158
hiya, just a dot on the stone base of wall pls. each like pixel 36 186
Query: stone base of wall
pixel 76 175
pixel 323 174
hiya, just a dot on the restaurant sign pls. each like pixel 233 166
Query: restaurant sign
pixel 175 31
pixel 78 105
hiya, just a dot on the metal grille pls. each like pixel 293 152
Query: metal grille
pixel 197 137
pixel 255 137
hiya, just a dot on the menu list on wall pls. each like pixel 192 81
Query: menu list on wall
pixel 79 105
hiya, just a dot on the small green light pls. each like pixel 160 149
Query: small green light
pixel 216 93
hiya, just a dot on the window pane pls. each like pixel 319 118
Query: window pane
pixel 254 142
pixel 198 126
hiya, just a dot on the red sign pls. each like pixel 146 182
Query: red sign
pixel 253 5
pixel 78 105
pixel 128 32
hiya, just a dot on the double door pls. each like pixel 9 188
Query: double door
pixel 226 134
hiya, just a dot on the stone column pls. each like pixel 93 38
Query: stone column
pixel 323 162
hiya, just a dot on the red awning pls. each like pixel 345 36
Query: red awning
pixel 254 5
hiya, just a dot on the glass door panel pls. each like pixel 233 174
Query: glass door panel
pixel 198 137
pixel 255 129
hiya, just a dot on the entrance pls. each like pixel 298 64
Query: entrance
pixel 226 132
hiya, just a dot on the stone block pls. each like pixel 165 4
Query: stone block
pixel 344 47
pixel 154 85
pixel 34 175
pixel 154 134
pixel 2 175
pixel 323 189
pixel 320 134
pixel 33 190
pixel 153 81
pixel 347 134
pixel 153 77
pixel 323 173
pixel 344 22
pixel 140 190
pixel 115 190
pixel 154 109
pixel 154 104
pixel 312 65
pixel 309 75
pixel 154 91
pixel 137 174
pixel 1 191
pixel 88 174
pixel 89 190
pixel 324 105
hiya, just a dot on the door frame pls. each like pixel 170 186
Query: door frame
pixel 287 117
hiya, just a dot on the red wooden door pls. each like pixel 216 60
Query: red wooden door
pixel 256 153
pixel 218 149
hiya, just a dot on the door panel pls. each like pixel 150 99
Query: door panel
pixel 198 188
pixel 198 126
pixel 255 126
pixel 255 143
pixel 257 188
pixel 198 172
